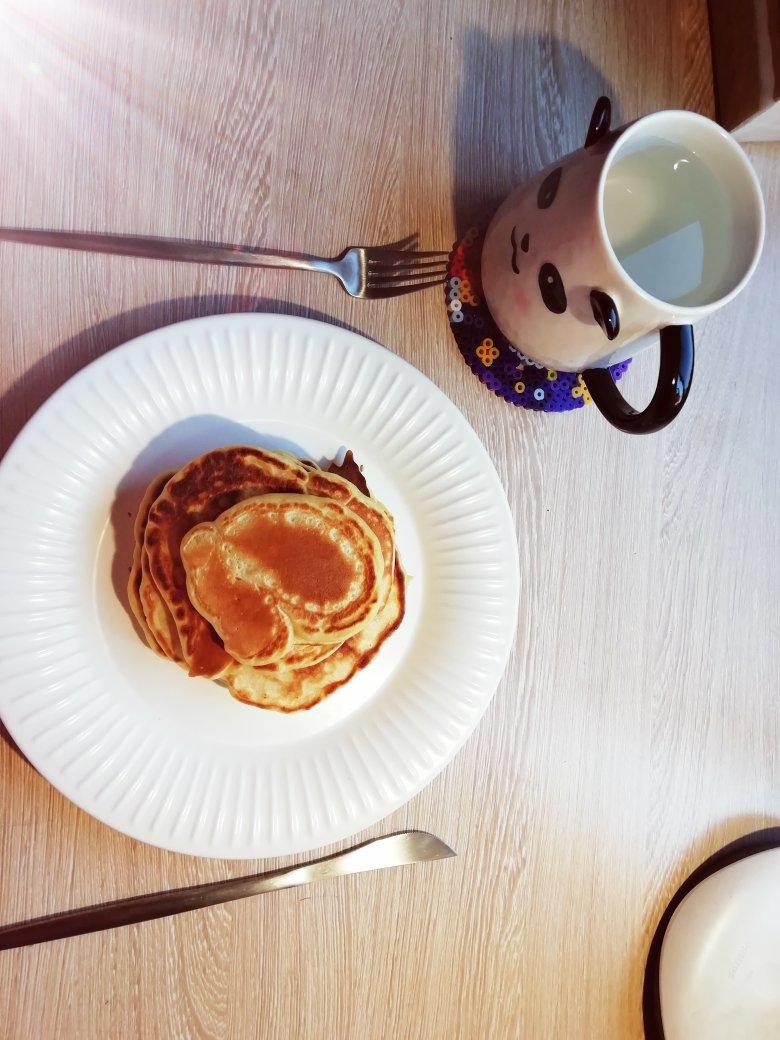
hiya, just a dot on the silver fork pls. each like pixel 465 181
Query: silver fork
pixel 366 272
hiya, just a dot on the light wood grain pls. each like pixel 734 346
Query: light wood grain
pixel 637 727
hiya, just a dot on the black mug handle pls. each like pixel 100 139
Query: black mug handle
pixel 674 381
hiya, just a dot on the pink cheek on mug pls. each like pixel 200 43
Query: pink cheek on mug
pixel 521 301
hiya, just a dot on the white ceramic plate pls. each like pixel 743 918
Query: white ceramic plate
pixel 176 761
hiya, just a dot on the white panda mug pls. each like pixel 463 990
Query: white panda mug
pixel 644 229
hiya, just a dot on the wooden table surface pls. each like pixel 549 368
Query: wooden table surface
pixel 636 729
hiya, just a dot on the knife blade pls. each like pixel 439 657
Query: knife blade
pixel 394 850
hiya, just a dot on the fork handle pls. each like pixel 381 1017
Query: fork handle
pixel 164 249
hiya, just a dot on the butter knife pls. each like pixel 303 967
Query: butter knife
pixel 396 850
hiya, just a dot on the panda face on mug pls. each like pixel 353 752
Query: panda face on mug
pixel 550 284
pixel 552 289
pixel 541 284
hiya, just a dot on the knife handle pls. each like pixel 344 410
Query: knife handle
pixel 393 850
pixel 121 912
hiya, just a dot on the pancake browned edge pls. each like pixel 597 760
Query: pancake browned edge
pixel 136 574
pixel 205 488
pixel 147 604
pixel 157 614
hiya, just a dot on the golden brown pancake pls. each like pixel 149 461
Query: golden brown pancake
pixel 153 615
pixel 302 688
pixel 159 628
pixel 158 616
pixel 204 489
pixel 136 576
pixel 283 569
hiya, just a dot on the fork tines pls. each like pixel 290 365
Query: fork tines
pixel 391 272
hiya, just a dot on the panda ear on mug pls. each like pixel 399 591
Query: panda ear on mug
pixel 605 312
pixel 599 121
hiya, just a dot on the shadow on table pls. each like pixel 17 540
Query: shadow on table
pixel 29 392
pixel 9 740
pixel 523 101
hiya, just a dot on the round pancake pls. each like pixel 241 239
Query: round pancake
pixel 154 617
pixel 302 688
pixel 280 569
pixel 205 488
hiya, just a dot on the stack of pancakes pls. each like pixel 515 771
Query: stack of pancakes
pixel 267 573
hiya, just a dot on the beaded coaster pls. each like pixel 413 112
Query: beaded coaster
pixel 490 355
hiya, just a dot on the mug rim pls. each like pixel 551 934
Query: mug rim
pixel 672 309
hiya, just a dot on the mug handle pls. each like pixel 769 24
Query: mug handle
pixel 675 374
